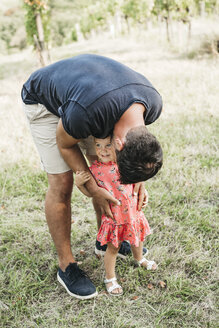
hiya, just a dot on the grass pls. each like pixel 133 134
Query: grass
pixel 182 210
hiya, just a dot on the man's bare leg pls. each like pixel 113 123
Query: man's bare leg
pixel 58 215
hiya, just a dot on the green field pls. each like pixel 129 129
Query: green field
pixel 182 209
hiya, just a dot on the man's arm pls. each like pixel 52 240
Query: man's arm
pixel 75 159
pixel 84 191
pixel 142 193
pixel 70 150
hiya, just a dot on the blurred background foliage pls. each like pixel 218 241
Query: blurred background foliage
pixel 70 21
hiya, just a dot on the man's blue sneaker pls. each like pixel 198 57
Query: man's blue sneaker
pixel 76 282
pixel 124 250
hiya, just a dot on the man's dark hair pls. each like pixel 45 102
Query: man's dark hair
pixel 141 157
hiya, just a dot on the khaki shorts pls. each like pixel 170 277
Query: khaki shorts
pixel 43 125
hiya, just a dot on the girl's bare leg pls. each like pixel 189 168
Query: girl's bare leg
pixel 137 254
pixel 110 263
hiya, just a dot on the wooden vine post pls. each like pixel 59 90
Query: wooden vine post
pixel 37 18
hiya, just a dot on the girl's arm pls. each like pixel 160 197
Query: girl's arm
pixel 80 179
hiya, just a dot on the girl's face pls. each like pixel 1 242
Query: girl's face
pixel 105 150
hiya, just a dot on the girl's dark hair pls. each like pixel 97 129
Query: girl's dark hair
pixel 141 149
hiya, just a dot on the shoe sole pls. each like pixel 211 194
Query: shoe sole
pixel 115 295
pixel 102 253
pixel 75 295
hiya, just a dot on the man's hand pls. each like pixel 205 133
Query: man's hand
pixel 102 198
pixel 142 194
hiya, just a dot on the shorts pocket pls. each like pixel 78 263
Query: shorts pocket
pixel 35 112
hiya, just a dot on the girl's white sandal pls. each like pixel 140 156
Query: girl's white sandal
pixel 149 263
pixel 114 286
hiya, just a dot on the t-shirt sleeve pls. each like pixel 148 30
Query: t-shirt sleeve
pixel 75 120
pixel 154 108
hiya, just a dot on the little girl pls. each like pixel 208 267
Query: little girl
pixel 127 224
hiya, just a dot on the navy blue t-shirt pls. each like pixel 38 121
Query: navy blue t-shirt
pixel 90 93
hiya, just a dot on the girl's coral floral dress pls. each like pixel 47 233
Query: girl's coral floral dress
pixel 129 223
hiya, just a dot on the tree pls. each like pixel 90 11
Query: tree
pixel 37 27
pixel 137 10
pixel 180 10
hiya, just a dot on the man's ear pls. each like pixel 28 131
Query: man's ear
pixel 119 143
